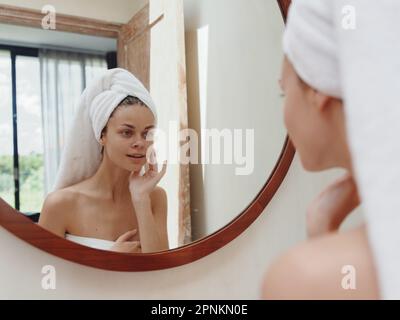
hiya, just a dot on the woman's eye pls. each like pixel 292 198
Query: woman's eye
pixel 126 133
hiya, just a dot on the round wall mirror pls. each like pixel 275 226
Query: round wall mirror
pixel 212 68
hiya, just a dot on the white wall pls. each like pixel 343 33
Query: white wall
pixel 233 272
pixel 240 90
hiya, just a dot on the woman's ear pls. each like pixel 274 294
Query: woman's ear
pixel 103 138
pixel 320 100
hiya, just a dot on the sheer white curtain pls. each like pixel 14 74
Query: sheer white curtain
pixel 64 75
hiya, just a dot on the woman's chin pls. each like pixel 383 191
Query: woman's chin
pixel 135 167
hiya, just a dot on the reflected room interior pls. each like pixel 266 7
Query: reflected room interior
pixel 230 99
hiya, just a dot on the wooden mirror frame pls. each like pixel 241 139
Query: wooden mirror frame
pixel 22 227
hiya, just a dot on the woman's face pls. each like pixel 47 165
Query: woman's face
pixel 312 120
pixel 125 142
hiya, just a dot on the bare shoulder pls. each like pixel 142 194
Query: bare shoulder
pixel 55 210
pixel 158 191
pixel 158 197
pixel 66 197
pixel 159 206
pixel 314 269
pixel 159 203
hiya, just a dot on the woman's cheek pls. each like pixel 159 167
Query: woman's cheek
pixel 287 115
pixel 292 120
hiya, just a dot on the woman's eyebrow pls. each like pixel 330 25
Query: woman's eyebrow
pixel 128 125
pixel 133 127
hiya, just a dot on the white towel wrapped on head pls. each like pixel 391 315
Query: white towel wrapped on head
pixel 81 155
pixel 310 45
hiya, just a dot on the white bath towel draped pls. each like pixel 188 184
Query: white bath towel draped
pixel 91 242
pixel 81 156
pixel 362 66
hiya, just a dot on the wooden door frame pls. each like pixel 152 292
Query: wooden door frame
pixel 67 23
pixel 80 25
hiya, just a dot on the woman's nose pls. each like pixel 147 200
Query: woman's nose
pixel 138 143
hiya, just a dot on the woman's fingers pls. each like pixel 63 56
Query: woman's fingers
pixel 153 166
pixel 127 235
pixel 163 170
pixel 133 246
pixel 127 247
pixel 134 174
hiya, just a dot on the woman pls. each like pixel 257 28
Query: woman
pixel 313 270
pixel 315 117
pixel 101 199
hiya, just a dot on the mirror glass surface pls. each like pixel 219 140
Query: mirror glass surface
pixel 232 58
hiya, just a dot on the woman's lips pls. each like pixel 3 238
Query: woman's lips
pixel 136 159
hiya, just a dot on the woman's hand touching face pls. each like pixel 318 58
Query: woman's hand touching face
pixel 141 187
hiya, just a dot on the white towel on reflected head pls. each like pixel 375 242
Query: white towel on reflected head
pixel 81 155
pixel 361 65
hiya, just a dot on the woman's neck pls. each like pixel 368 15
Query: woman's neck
pixel 111 181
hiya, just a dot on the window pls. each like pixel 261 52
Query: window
pixel 38 95
pixel 30 137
